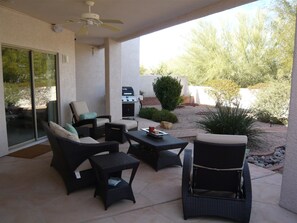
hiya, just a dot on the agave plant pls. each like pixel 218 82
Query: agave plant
pixel 231 121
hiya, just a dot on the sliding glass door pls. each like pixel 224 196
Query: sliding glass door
pixel 45 88
pixel 29 79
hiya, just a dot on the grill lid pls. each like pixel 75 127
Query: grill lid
pixel 127 91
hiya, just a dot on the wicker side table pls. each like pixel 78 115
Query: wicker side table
pixel 112 165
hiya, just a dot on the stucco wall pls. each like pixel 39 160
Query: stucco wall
pixel 90 77
pixel 26 32
pixel 130 67
pixel 288 198
pixel 201 96
pixel 90 74
pixel 130 64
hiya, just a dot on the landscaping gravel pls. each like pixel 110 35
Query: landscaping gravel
pixel 269 152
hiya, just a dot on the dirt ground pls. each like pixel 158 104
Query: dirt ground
pixel 188 116
pixel 273 136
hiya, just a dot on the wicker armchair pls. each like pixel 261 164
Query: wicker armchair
pixel 95 126
pixel 220 184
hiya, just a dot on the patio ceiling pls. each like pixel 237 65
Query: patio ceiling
pixel 139 16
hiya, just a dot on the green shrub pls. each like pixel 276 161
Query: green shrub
pixel 272 103
pixel 258 86
pixel 231 121
pixel 147 112
pixel 265 116
pixel 224 92
pixel 11 94
pixel 167 89
pixel 164 115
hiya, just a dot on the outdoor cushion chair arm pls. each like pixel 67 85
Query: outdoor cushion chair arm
pixel 186 176
pixel 92 121
pixel 75 153
pixel 247 185
pixel 105 116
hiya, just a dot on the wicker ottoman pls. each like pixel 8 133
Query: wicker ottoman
pixel 115 131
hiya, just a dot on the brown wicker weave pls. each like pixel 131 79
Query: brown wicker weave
pixel 116 132
pixel 112 165
pixel 94 131
pixel 199 200
pixel 156 152
pixel 68 155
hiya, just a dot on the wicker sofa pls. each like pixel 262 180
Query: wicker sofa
pixel 70 157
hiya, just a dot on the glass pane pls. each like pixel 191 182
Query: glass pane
pixel 17 95
pixel 45 89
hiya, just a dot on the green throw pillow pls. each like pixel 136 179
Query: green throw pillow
pixel 70 128
pixel 89 115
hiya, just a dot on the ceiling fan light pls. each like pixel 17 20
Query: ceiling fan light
pixel 90 22
pixel 90 15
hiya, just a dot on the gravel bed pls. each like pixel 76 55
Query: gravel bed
pixel 269 152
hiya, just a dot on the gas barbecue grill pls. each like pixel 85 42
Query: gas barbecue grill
pixel 128 101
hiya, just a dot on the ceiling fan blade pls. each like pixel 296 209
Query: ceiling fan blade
pixel 107 26
pixel 70 21
pixel 116 21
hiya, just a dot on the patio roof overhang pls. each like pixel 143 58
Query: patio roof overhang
pixel 140 17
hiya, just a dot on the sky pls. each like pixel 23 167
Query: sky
pixel 170 43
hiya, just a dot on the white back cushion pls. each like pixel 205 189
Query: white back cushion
pixel 60 131
pixel 129 124
pixel 222 139
pixel 79 107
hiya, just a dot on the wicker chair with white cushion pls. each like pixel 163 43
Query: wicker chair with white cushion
pixel 216 181
pixel 82 117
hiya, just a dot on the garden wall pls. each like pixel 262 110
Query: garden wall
pixel 199 93
pixel 202 97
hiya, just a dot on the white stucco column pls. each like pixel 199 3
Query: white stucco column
pixel 3 132
pixel 288 198
pixel 113 79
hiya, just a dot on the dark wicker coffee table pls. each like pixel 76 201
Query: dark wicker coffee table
pixel 155 151
pixel 111 165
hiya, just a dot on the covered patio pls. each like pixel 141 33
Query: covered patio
pixel 32 191
pixel 94 68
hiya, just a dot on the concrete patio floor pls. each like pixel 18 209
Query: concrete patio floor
pixel 32 191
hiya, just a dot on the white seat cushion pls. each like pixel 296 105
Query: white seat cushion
pixel 88 140
pixel 100 122
pixel 129 124
pixel 222 139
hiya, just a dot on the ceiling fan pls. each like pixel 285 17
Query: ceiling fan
pixel 93 19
